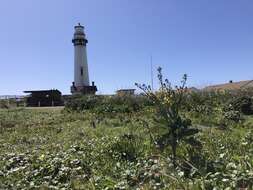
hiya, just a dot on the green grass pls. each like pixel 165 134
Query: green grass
pixel 53 149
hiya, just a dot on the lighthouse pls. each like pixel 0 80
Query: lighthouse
pixel 81 84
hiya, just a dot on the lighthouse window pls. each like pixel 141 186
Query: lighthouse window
pixel 81 71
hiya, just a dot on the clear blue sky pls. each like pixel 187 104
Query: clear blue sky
pixel 210 40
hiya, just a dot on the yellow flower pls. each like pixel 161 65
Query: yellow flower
pixel 42 156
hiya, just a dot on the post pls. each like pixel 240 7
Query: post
pixel 8 102
pixel 151 67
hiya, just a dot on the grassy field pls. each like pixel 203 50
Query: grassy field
pixel 58 149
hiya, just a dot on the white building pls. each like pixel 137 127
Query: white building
pixel 81 84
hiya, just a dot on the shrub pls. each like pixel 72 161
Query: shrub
pixel 219 107
pixel 108 104
pixel 127 147
pixel 242 104
pixel 79 102
pixel 232 115
pixel 169 102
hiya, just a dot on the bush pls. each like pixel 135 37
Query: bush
pixel 127 147
pixel 108 104
pixel 219 108
pixel 242 104
pixel 3 104
pixel 232 116
pixel 80 103
pixel 169 102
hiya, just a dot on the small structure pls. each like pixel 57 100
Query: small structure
pixel 125 92
pixel 231 86
pixel 39 98
pixel 81 84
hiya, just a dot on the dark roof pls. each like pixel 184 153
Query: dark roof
pixel 42 91
pixel 126 90
pixel 231 85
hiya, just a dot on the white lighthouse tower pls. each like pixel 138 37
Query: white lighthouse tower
pixel 81 84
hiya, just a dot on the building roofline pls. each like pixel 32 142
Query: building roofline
pixel 32 91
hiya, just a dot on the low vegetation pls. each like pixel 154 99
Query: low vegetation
pixel 170 139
